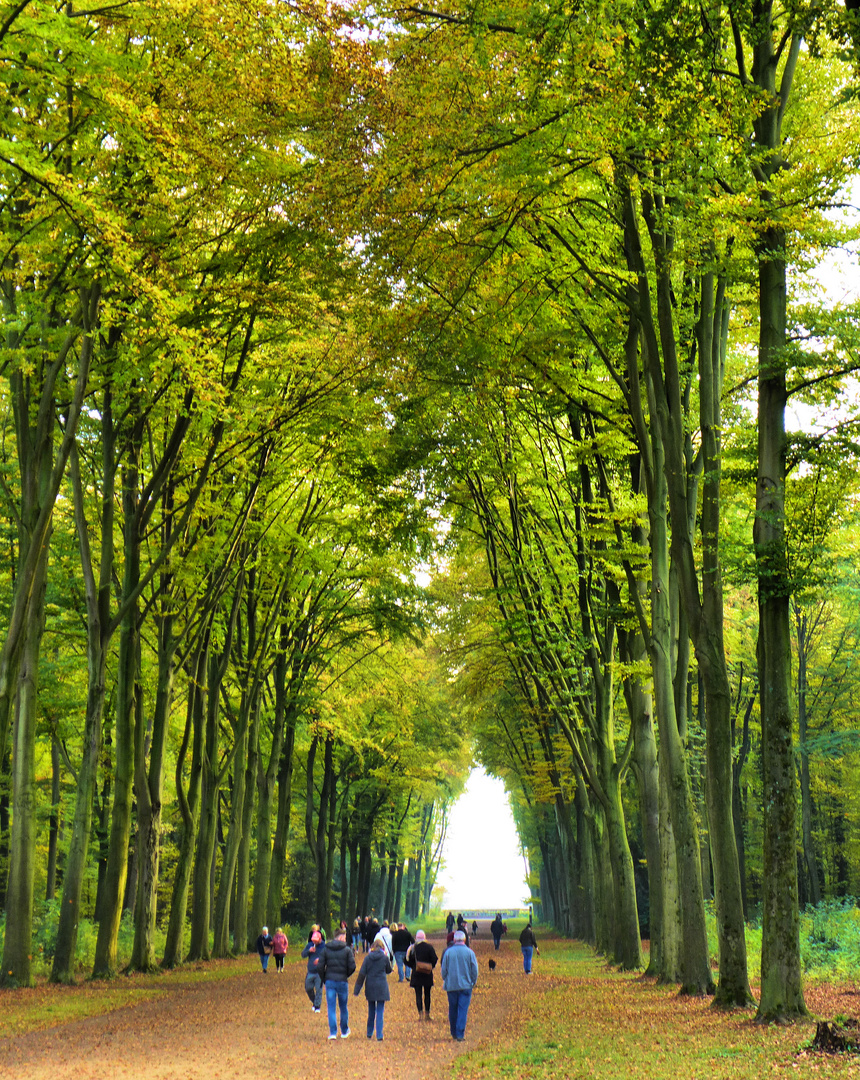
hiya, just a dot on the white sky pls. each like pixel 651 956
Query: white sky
pixel 484 867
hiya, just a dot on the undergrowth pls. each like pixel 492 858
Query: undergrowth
pixel 829 941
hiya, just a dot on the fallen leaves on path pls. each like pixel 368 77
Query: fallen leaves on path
pixel 261 1026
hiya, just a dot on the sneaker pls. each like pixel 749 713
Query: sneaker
pixel 314 1010
pixel 345 1034
pixel 332 1036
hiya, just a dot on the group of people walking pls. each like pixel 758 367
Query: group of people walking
pixel 331 964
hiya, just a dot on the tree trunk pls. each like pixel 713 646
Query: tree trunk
pixel 188 808
pixel 241 928
pixel 810 858
pixel 282 825
pixel 221 937
pixel 17 943
pixel 53 821
pixel 781 982
pixel 105 963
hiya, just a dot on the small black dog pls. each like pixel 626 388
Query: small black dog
pixel 492 964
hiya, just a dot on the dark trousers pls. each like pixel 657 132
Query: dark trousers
pixel 425 989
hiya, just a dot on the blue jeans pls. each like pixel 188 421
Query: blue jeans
pixel 497 942
pixel 458 1010
pixel 400 959
pixel 375 1011
pixel 314 989
pixel 528 950
pixel 337 993
pixel 264 960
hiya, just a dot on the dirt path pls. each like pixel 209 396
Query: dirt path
pixel 255 1026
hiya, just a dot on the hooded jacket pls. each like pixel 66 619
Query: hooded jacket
pixel 373 976
pixel 339 961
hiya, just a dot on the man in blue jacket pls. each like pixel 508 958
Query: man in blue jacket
pixel 459 977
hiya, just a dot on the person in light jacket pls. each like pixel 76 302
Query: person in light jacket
pixel 373 976
pixel 279 949
pixel 459 977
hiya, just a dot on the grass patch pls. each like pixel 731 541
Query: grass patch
pixel 599 1024
pixel 47 1006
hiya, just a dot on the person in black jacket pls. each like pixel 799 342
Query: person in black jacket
pixel 497 928
pixel 528 943
pixel 374 977
pixel 339 965
pixel 422 959
pixel 401 939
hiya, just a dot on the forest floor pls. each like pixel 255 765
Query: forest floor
pixel 575 1018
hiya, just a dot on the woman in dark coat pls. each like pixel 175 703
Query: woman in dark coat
pixel 422 953
pixel 374 977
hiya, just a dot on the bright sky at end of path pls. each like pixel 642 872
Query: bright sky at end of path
pixel 484 866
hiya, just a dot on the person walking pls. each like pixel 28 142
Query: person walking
pixel 314 952
pixel 422 958
pixel 279 949
pixel 497 928
pixel 401 939
pixel 373 976
pixel 384 935
pixel 449 923
pixel 339 965
pixel 264 948
pixel 370 932
pixel 459 977
pixel 528 943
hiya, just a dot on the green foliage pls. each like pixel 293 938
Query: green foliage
pixel 830 940
pixel 45 925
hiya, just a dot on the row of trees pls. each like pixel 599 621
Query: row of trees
pixel 209 563
pixel 597 216
pixel 295 300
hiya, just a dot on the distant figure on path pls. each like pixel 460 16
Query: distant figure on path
pixel 459 977
pixel 264 948
pixel 279 949
pixel 422 959
pixel 314 951
pixel 528 942
pixel 497 928
pixel 374 977
pixel 449 923
pixel 339 965
pixel 474 927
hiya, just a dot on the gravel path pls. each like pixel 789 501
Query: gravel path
pixel 254 1026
